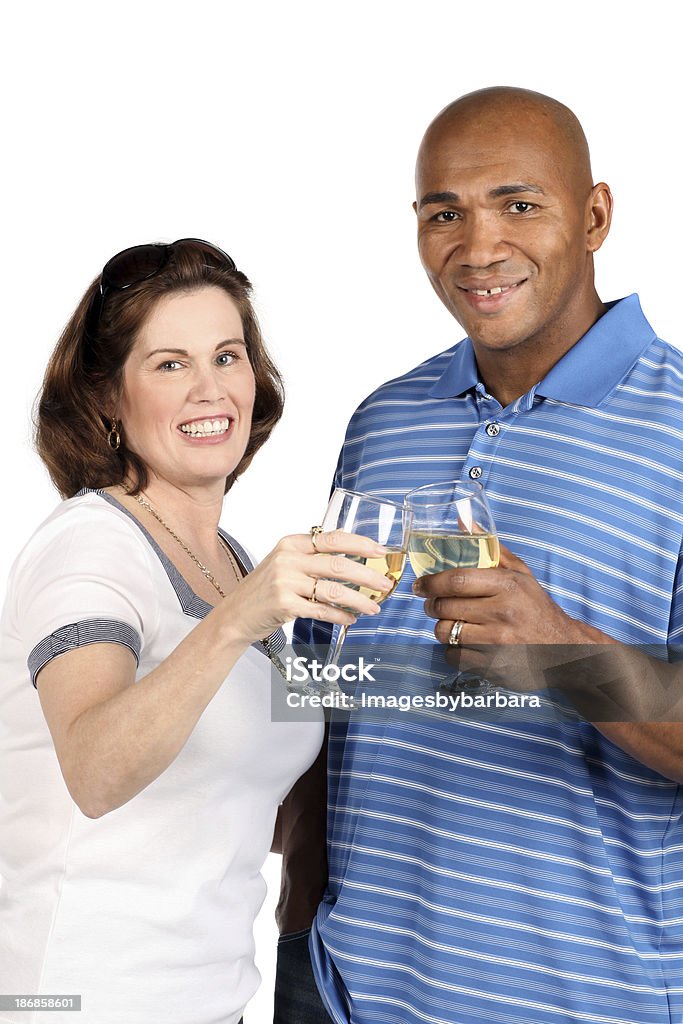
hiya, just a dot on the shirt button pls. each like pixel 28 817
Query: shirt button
pixel 493 429
pixel 476 472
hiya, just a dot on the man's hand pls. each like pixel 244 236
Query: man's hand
pixel 514 634
pixel 498 606
pixel 506 616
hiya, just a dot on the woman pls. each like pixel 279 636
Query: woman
pixel 131 858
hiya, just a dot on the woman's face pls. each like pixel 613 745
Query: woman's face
pixel 188 390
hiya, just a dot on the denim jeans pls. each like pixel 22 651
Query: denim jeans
pixel 296 993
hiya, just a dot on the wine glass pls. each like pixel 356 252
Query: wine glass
pixel 452 528
pixel 384 521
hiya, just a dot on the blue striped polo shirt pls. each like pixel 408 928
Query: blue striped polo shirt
pixel 498 869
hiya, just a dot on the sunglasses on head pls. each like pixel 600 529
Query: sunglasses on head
pixel 141 262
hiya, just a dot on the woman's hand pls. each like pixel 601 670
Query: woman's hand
pixel 300 579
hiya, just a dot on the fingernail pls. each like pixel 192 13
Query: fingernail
pixel 418 587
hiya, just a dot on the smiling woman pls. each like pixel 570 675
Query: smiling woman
pixel 188 388
pixel 131 864
pixel 85 378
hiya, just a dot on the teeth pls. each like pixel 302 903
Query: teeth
pixel 205 428
pixel 491 291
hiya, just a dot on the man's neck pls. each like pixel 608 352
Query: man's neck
pixel 510 373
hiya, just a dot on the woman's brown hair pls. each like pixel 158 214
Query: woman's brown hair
pixel 84 376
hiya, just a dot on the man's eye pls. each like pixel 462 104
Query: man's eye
pixel 520 206
pixel 446 217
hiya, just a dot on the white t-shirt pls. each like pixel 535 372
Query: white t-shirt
pixel 147 912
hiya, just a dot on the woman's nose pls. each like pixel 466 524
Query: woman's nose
pixel 208 385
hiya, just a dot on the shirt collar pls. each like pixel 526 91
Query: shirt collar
pixel 460 375
pixel 586 374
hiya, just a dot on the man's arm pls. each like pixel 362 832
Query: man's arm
pixel 635 700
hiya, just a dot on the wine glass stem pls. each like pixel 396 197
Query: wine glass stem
pixel 335 648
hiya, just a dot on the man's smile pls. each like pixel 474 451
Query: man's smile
pixel 489 297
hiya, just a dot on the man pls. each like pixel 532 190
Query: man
pixel 497 868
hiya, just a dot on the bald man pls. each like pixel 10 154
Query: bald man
pixel 497 866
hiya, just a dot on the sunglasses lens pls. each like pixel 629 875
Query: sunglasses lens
pixel 134 265
pixel 139 263
pixel 211 252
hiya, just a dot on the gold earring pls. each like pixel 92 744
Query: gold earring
pixel 113 437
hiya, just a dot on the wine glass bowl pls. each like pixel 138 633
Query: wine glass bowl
pixel 452 528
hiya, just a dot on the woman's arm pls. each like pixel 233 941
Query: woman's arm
pixel 114 736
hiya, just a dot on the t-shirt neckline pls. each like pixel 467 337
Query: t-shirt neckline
pixel 190 602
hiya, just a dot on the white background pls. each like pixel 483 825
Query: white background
pixel 287 135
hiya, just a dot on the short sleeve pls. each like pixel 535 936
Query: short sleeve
pixel 85 577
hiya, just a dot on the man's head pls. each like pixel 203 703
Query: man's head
pixel 505 200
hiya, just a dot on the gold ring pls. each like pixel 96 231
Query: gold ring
pixel 313 596
pixel 454 635
pixel 314 531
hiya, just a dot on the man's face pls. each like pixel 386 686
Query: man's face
pixel 503 233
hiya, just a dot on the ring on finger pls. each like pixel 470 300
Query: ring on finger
pixel 314 531
pixel 314 595
pixel 454 635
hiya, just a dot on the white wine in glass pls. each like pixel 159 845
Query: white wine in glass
pixel 390 565
pixel 431 551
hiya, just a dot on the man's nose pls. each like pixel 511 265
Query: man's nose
pixel 481 240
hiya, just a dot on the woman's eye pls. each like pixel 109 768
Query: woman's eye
pixel 226 358
pixel 169 365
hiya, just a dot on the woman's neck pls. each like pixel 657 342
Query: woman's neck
pixel 194 512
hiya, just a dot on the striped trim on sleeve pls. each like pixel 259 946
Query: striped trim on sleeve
pixel 78 634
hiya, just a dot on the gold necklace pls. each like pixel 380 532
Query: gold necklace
pixel 267 641
pixel 202 568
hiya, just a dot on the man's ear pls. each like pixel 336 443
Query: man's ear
pixel 599 215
